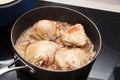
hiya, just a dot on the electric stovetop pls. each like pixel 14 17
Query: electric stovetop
pixel 107 64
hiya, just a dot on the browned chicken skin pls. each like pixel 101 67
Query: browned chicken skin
pixel 46 29
pixel 74 35
pixel 71 58
pixel 41 52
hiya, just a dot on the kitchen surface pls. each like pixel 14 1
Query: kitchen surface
pixel 107 64
pixel 107 5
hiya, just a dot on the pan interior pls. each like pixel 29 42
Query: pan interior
pixel 58 14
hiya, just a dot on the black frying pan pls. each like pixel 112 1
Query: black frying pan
pixel 59 14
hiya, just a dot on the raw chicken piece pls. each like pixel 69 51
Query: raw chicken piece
pixel 46 29
pixel 67 59
pixel 74 35
pixel 41 53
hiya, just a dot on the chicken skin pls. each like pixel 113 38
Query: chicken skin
pixel 41 52
pixel 67 59
pixel 46 29
pixel 74 35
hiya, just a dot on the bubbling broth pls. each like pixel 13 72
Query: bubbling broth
pixel 55 45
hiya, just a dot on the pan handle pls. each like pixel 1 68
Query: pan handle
pixel 10 68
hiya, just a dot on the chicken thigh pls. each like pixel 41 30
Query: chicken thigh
pixel 74 35
pixel 67 59
pixel 46 29
pixel 41 52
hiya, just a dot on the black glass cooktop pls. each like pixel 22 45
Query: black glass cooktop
pixel 107 65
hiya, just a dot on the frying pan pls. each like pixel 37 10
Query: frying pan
pixel 56 13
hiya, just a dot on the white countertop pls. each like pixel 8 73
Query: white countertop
pixel 107 5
